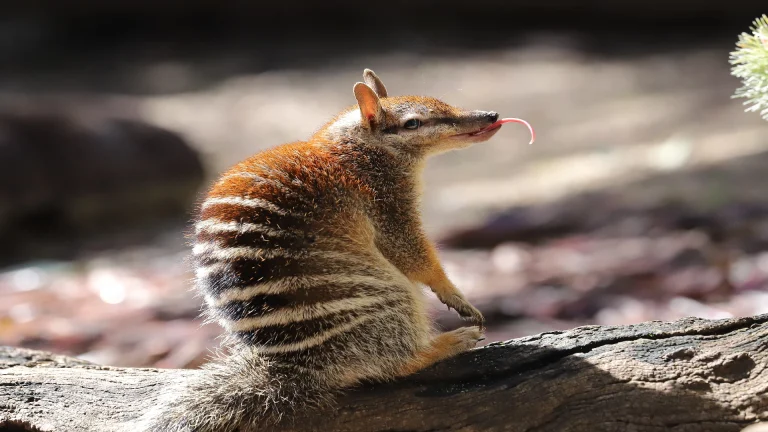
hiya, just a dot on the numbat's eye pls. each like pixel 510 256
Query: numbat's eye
pixel 412 124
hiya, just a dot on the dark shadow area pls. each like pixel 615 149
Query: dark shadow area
pixel 13 426
pixel 103 49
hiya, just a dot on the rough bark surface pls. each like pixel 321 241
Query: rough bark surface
pixel 689 375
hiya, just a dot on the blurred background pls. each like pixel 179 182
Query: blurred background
pixel 643 197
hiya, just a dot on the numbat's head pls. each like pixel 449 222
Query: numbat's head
pixel 411 125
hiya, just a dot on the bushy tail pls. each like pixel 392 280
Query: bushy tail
pixel 239 393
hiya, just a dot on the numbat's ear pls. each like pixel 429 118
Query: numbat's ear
pixel 375 83
pixel 370 107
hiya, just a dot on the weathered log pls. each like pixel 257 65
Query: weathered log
pixel 688 375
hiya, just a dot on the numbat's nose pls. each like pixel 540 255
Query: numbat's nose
pixel 492 116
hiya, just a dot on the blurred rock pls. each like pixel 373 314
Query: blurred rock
pixel 79 176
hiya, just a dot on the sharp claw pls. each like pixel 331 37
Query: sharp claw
pixel 481 339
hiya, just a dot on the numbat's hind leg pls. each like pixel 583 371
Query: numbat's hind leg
pixel 444 346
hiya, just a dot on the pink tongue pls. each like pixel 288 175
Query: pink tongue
pixel 514 120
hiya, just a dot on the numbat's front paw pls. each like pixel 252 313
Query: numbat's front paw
pixel 466 310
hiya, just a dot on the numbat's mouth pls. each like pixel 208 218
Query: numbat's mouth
pixel 494 127
pixel 490 130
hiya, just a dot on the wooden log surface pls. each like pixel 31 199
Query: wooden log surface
pixel 688 375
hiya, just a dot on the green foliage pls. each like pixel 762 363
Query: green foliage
pixel 750 64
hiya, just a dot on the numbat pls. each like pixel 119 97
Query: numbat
pixel 312 256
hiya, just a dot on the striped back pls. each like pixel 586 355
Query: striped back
pixel 271 273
